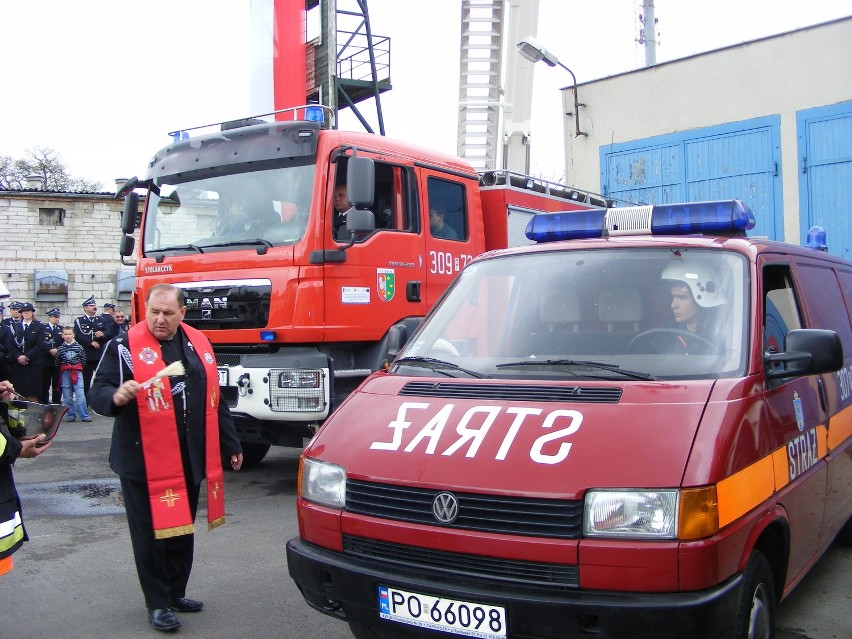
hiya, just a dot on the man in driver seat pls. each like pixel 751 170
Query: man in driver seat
pixel 245 217
pixel 697 302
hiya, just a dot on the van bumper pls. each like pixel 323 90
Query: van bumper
pixel 347 589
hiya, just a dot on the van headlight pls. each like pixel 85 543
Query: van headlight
pixel 641 514
pixel 322 482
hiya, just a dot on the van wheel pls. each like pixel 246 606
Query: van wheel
pixel 253 453
pixel 756 614
pixel 845 534
pixel 362 631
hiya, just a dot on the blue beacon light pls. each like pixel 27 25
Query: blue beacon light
pixel 727 217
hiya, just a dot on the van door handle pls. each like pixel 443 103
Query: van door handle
pixel 412 291
pixel 823 397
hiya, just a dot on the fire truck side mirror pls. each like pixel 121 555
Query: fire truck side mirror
pixel 807 351
pixel 360 181
pixel 129 213
pixel 126 245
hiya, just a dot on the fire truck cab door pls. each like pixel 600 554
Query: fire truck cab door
pixel 380 281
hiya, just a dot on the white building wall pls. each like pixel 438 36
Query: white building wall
pixel 779 75
pixel 85 245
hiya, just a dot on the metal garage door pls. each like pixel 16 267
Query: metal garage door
pixel 825 177
pixel 739 160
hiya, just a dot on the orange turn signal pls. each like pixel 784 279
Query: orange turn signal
pixel 699 513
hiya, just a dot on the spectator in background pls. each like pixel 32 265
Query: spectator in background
pixel 25 350
pixel 14 314
pixel 108 316
pixel 50 392
pixel 89 331
pixel 70 362
pixel 121 321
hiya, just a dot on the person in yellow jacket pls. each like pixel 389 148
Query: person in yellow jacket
pixel 12 531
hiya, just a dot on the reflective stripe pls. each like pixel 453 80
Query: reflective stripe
pixel 11 532
pixel 751 486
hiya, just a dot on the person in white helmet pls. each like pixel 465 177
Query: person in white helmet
pixel 697 303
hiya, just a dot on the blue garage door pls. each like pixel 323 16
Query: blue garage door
pixel 825 178
pixel 739 160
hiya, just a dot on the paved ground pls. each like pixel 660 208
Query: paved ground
pixel 75 578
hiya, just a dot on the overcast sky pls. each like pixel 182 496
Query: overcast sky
pixel 103 81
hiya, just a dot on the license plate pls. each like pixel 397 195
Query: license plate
pixel 223 377
pixel 447 615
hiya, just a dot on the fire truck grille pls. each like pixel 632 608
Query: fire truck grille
pixel 458 565
pixel 554 518
pixel 517 392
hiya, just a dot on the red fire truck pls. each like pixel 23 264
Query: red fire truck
pixel 643 433
pixel 300 306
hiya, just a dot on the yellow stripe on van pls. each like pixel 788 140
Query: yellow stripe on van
pixel 745 489
pixel 840 428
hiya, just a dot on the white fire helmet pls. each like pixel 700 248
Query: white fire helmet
pixel 699 279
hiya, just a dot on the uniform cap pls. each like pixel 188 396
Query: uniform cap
pixel 109 305
pixel 15 306
pixel 54 312
pixel 26 306
pixel 90 302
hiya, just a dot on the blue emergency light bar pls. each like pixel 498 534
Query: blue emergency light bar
pixel 727 217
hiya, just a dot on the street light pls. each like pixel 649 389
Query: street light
pixel 534 51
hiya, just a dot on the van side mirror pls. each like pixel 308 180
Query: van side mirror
pixel 360 181
pixel 129 213
pixel 807 351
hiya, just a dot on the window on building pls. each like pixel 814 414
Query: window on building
pixel 51 217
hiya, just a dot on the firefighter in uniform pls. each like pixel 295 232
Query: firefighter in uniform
pixel 53 337
pixel 90 333
pixel 25 353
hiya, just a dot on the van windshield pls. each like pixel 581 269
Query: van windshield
pixel 230 211
pixel 616 314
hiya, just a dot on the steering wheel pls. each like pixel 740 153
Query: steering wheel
pixel 670 340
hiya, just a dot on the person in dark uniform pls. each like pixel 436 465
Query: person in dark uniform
pixel 25 351
pixel 50 392
pixel 14 314
pixel 89 331
pixel 170 433
pixel 121 321
pixel 108 317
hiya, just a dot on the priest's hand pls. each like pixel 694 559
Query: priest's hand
pixel 126 392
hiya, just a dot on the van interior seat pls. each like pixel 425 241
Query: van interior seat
pixel 620 310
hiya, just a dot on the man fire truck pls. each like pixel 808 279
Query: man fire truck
pixel 242 220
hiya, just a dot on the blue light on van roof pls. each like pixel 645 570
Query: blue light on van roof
pixel 728 217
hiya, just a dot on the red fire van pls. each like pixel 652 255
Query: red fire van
pixel 639 427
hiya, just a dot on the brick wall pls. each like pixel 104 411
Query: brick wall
pixel 75 232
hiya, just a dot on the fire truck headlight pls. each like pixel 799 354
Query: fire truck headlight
pixel 641 514
pixel 322 483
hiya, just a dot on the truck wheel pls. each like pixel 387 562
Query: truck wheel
pixel 756 614
pixel 253 453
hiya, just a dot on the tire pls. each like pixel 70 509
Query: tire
pixel 845 535
pixel 756 613
pixel 253 453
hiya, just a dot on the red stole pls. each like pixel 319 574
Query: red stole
pixel 160 446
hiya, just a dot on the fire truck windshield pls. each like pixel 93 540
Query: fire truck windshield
pixel 229 211
pixel 615 314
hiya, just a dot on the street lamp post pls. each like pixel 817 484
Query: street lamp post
pixel 534 51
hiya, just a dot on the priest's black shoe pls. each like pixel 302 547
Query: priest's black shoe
pixel 186 605
pixel 163 619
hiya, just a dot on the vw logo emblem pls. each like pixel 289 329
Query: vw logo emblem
pixel 445 507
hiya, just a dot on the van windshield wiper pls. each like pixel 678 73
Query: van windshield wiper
pixel 614 368
pixel 438 364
